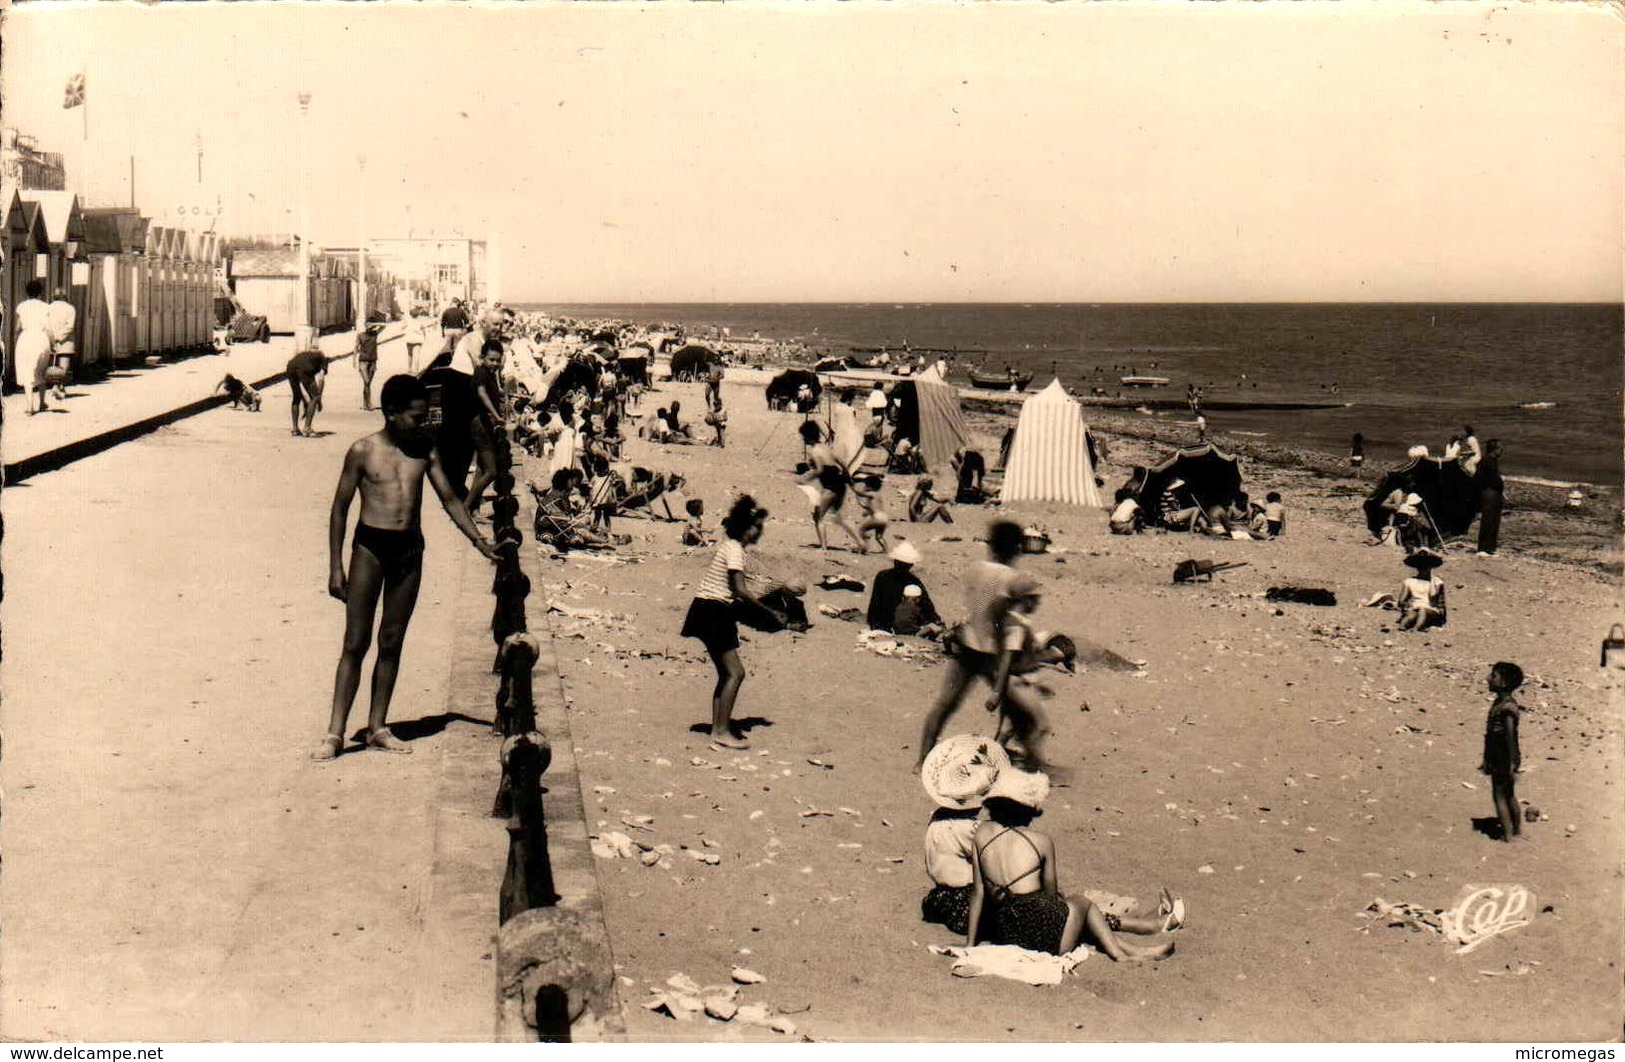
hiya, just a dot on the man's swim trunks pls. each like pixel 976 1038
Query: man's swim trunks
pixel 399 553
pixel 302 372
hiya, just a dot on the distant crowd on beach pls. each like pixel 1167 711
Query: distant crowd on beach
pixel 574 396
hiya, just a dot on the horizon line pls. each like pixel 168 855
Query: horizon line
pixel 1087 303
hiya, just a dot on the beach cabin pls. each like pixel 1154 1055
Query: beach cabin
pixel 64 234
pixel 65 268
pixel 267 283
pixel 115 238
pixel 26 257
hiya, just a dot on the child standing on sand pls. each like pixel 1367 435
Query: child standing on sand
pixel 1502 757
pixel 711 620
pixel 1274 514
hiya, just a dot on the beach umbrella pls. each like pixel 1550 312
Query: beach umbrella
pixel 634 366
pixel 1446 489
pixel 784 387
pixel 691 361
pixel 1211 476
pixel 1049 457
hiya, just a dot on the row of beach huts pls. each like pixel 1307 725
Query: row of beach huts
pixel 143 289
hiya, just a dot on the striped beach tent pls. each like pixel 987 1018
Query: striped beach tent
pixel 928 414
pixel 1049 459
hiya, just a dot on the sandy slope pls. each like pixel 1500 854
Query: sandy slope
pixel 1307 757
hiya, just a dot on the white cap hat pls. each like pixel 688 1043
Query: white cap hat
pixel 1028 788
pixel 905 552
pixel 912 591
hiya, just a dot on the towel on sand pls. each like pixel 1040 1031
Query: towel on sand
pixel 1013 963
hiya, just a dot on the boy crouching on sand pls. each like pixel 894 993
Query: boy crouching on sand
pixel 1502 757
pixel 242 395
pixel 388 467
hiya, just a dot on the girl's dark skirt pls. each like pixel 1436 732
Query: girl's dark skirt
pixel 712 622
pixel 1033 920
pixel 948 906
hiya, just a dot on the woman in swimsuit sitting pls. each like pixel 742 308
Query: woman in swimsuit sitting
pixel 1015 894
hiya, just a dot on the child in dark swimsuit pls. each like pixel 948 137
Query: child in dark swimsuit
pixel 386 563
pixel 833 479
pixel 1015 896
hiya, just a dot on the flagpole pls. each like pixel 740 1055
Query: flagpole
pixel 84 143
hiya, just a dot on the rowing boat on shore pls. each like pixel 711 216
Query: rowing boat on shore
pixel 1143 381
pixel 1001 381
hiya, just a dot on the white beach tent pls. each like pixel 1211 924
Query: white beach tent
pixel 1049 459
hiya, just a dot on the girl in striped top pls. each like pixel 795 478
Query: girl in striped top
pixel 711 619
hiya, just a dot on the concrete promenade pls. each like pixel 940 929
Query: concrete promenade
pixel 176 868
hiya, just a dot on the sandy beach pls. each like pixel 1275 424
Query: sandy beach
pixel 1280 766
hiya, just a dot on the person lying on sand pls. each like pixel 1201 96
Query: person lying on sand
pixel 1015 888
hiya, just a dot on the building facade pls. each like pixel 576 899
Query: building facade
pixel 434 270
pixel 24 166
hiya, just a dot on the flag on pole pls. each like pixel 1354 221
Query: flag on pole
pixel 74 95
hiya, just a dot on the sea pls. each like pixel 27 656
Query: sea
pixel 1401 374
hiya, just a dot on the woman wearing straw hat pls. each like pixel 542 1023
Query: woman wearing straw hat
pixel 1421 596
pixel 957 775
pixel 1015 891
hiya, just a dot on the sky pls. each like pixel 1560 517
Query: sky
pixel 757 151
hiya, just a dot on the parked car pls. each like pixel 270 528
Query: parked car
pixel 233 324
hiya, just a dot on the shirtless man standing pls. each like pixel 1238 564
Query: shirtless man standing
pixel 388 467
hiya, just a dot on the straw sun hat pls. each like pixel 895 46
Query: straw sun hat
pixel 959 771
pixel 1424 559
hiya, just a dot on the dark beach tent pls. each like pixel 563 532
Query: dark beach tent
pixel 1446 490
pixel 581 373
pixel 634 366
pixel 691 362
pixel 782 390
pixel 928 416
pixel 1212 477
